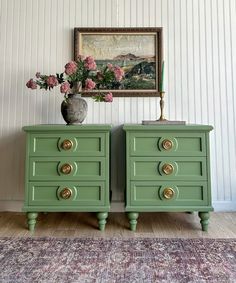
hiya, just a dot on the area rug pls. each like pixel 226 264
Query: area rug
pixel 141 260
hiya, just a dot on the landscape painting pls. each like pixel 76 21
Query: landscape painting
pixel 135 52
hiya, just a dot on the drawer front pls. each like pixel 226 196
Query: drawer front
pixel 56 168
pixel 74 194
pixel 152 168
pixel 168 193
pixel 167 144
pixel 89 144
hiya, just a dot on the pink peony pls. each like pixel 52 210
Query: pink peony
pixel 65 87
pixel 89 84
pixel 71 68
pixel 89 63
pixel 108 97
pixel 52 81
pixel 31 84
pixel 118 72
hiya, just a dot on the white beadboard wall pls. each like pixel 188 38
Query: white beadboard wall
pixel 200 79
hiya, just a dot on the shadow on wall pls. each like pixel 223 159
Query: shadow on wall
pixel 12 166
pixel 117 166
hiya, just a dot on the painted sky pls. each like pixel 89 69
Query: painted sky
pixel 109 46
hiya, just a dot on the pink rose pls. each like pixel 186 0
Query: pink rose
pixel 31 84
pixel 89 63
pixel 89 84
pixel 65 87
pixel 71 68
pixel 108 97
pixel 52 81
pixel 118 72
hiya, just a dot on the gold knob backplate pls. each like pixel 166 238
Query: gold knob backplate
pixel 167 168
pixel 66 193
pixel 167 144
pixel 67 144
pixel 168 193
pixel 66 168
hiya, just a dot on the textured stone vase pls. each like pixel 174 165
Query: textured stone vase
pixel 74 109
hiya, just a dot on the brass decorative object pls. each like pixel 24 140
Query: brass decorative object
pixel 167 168
pixel 66 193
pixel 162 119
pixel 162 104
pixel 167 144
pixel 168 193
pixel 66 168
pixel 67 144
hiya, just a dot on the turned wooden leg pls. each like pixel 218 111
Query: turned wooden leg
pixel 101 216
pixel 204 216
pixel 31 220
pixel 133 216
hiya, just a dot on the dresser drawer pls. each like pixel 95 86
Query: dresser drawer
pixel 81 144
pixel 166 144
pixel 172 168
pixel 71 168
pixel 168 194
pixel 64 194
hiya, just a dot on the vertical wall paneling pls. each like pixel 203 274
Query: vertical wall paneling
pixel 200 75
pixel 229 106
pixel 232 25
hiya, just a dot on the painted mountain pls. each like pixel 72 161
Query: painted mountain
pixel 140 71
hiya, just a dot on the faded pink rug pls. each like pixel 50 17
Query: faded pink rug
pixel 141 260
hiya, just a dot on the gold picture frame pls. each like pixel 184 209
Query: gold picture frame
pixel 138 51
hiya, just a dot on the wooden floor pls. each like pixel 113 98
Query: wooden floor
pixel 159 225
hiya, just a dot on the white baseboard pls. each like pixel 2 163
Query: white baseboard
pixel 116 206
pixel 11 205
pixel 220 206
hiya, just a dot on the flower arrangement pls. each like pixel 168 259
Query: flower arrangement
pixel 81 76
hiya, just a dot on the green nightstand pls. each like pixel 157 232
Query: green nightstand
pixel 168 169
pixel 67 169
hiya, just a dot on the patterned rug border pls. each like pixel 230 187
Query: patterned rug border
pixel 47 259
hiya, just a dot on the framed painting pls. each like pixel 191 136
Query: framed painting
pixel 138 51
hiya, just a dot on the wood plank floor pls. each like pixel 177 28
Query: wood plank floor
pixel 83 224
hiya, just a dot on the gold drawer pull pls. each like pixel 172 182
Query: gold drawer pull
pixel 67 144
pixel 66 193
pixel 167 168
pixel 167 144
pixel 168 193
pixel 66 168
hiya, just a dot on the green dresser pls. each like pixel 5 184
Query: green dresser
pixel 168 169
pixel 67 169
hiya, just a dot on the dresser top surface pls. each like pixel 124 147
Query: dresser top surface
pixel 67 128
pixel 167 127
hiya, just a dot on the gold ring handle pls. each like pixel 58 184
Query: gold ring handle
pixel 66 193
pixel 66 168
pixel 167 168
pixel 67 144
pixel 168 193
pixel 167 144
